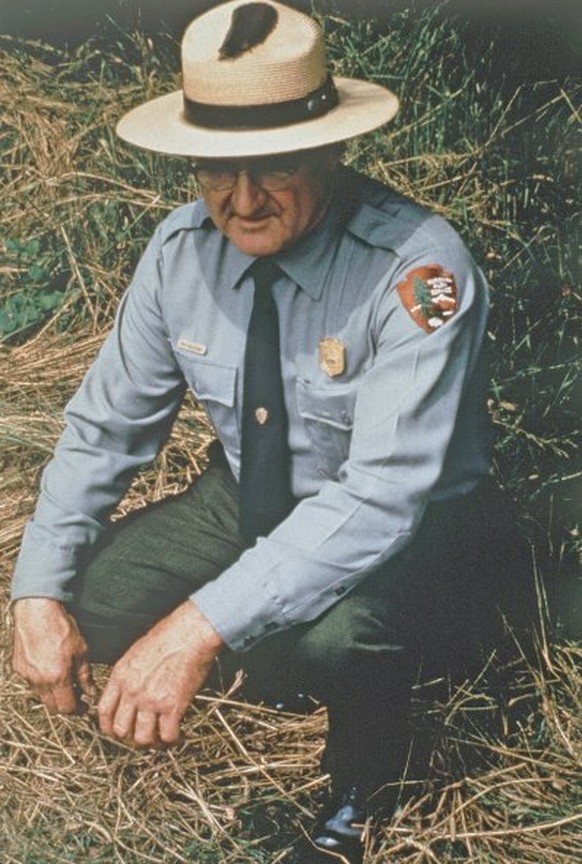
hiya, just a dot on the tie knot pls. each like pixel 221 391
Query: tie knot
pixel 265 271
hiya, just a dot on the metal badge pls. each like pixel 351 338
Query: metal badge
pixel 262 416
pixel 332 356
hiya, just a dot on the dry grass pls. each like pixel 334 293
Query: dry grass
pixel 505 778
pixel 245 778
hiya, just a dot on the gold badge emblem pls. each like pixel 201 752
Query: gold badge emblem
pixel 262 416
pixel 332 356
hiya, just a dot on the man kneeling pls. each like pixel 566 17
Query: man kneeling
pixel 345 538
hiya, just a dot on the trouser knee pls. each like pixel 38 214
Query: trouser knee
pixel 351 651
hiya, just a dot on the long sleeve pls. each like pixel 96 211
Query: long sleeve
pixel 415 408
pixel 116 423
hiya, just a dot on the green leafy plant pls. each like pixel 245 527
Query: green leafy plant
pixel 35 292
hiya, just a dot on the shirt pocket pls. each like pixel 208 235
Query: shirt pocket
pixel 328 414
pixel 214 385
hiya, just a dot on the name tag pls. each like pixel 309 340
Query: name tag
pixel 192 347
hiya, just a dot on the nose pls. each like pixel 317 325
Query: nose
pixel 247 197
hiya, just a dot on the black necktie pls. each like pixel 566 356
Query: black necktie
pixel 265 485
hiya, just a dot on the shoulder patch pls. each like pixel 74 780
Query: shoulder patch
pixel 429 295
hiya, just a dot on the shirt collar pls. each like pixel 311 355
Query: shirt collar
pixel 309 261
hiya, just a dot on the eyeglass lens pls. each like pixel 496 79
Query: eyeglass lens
pixel 269 176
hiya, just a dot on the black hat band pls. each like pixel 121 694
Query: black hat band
pixel 315 104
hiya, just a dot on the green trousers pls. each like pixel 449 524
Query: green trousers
pixel 435 607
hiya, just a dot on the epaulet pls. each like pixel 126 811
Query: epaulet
pixel 188 217
pixel 382 217
pixel 388 220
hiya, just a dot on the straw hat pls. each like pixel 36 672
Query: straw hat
pixel 256 82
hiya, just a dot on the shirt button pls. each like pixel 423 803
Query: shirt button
pixel 341 590
pixel 248 640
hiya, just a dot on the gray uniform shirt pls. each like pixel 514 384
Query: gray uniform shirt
pixel 400 423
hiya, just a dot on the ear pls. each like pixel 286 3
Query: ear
pixel 336 154
pixel 328 158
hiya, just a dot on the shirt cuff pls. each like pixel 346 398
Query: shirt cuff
pixel 238 615
pixel 42 569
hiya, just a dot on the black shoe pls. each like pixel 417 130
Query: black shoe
pixel 339 836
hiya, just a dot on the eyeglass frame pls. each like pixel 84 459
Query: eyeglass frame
pixel 271 179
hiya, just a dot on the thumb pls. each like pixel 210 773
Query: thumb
pixel 85 677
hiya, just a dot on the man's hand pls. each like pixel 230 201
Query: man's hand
pixel 153 683
pixel 50 653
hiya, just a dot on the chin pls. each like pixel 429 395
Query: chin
pixel 256 245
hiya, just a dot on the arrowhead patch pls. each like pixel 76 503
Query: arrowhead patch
pixel 429 295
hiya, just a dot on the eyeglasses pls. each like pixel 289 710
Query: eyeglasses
pixel 269 175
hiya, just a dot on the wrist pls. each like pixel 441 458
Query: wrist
pixel 196 628
pixel 23 605
pixel 206 629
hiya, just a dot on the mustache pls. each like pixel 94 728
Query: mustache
pixel 260 213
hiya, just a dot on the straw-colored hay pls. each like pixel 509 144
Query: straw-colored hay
pixel 244 778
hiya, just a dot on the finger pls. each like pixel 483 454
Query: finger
pixel 124 720
pixel 169 726
pixel 47 698
pixel 145 732
pixel 107 707
pixel 58 698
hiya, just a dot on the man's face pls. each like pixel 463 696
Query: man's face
pixel 269 203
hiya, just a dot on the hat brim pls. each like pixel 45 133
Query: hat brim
pixel 160 125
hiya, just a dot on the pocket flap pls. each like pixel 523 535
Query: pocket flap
pixel 331 405
pixel 210 381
